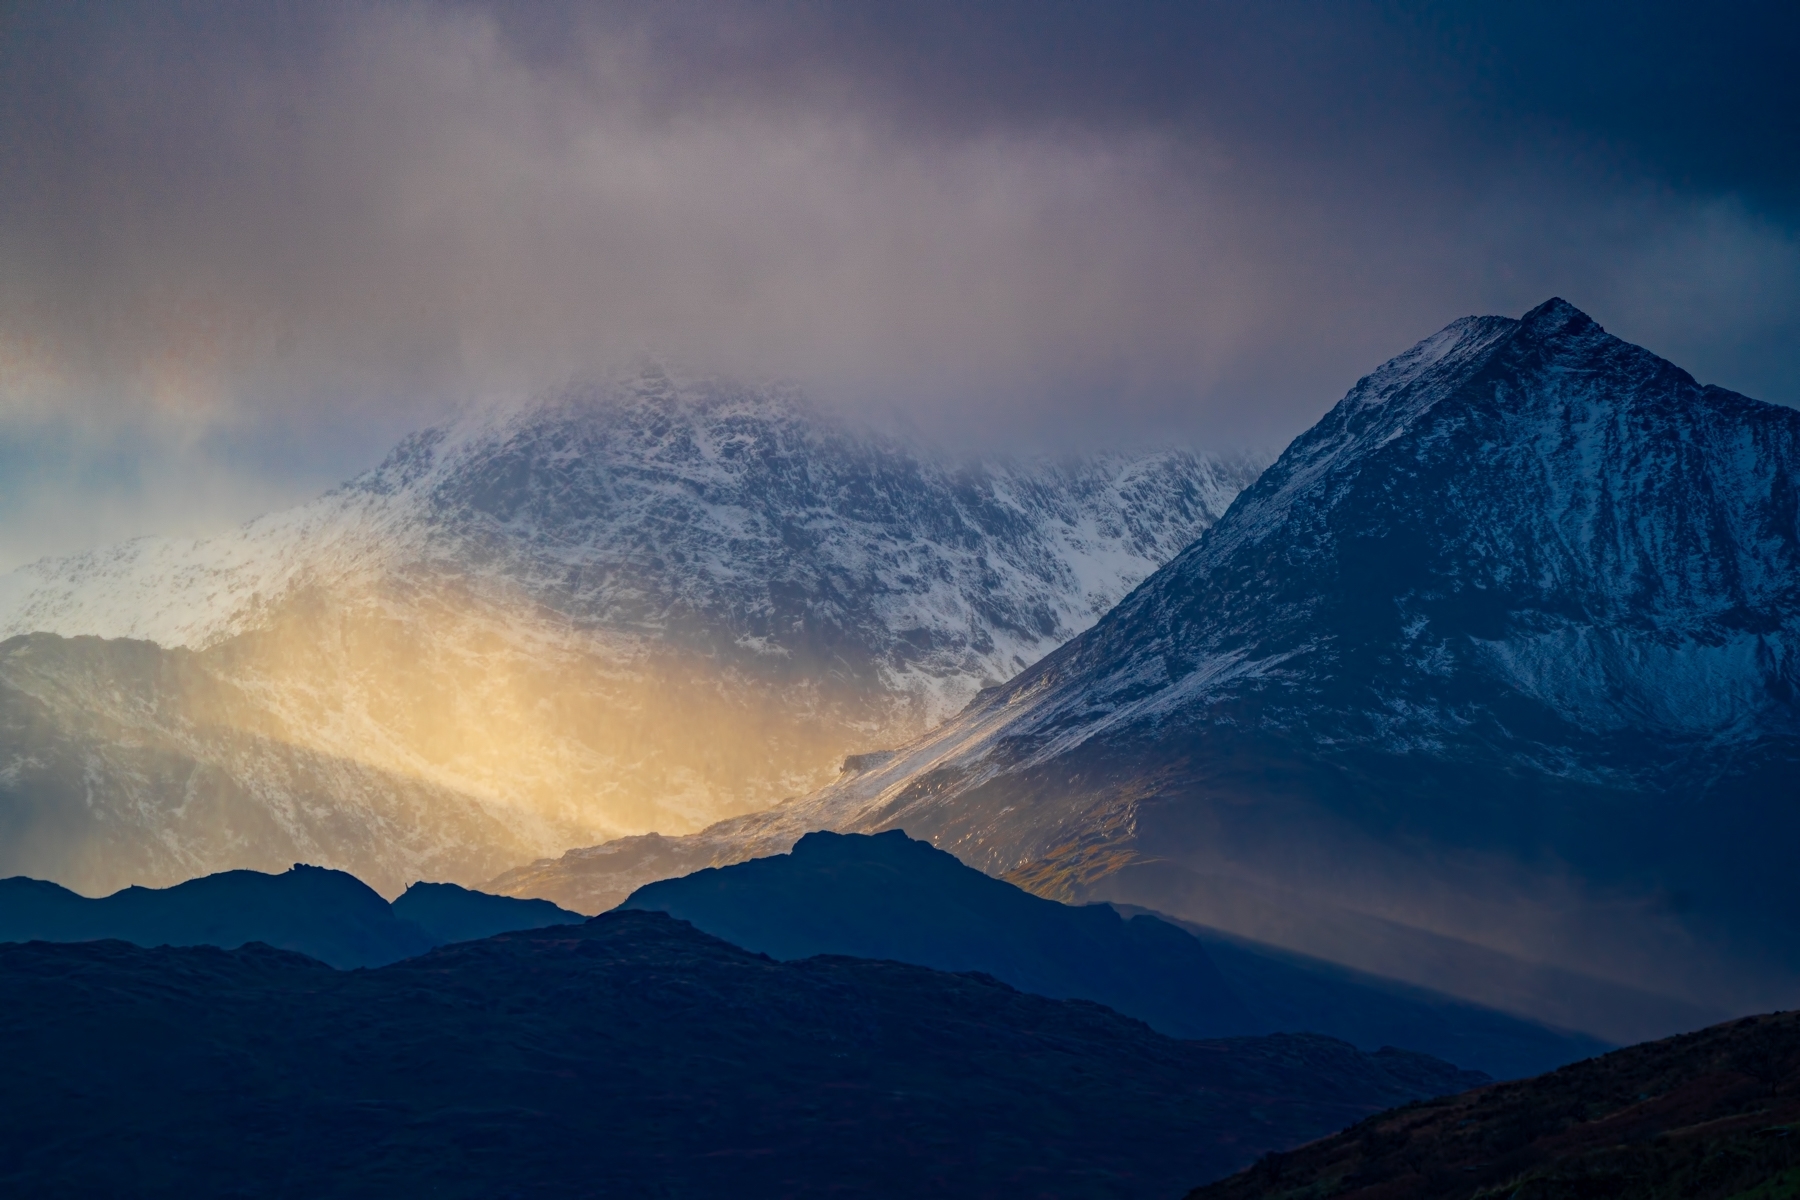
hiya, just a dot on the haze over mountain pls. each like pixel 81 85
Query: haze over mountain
pixel 1488 683
pixel 632 606
pixel 630 1055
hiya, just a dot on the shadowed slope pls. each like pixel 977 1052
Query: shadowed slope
pixel 888 896
pixel 1709 1116
pixel 1292 992
pixel 454 914
pixel 627 1054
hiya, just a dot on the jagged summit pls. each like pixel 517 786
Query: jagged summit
pixel 1514 498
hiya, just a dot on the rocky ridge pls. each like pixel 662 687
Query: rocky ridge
pixel 629 1055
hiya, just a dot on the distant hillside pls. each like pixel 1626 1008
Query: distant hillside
pixel 1713 1115
pixel 328 915
pixel 889 897
pixel 448 913
pixel 631 1055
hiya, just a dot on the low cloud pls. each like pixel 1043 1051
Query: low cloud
pixel 257 246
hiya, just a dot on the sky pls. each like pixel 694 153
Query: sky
pixel 244 247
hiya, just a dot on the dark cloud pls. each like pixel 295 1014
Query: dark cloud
pixel 243 246
pixel 1699 97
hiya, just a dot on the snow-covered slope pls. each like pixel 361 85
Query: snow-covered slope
pixel 732 519
pixel 628 607
pixel 1500 658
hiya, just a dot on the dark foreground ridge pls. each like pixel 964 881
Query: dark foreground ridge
pixel 632 1055
pixel 1713 1115
pixel 889 896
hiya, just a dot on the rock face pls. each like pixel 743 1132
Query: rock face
pixel 631 607
pixel 631 1055
pixel 1490 683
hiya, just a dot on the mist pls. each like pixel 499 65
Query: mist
pixel 242 250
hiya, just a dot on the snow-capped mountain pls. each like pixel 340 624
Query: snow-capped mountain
pixel 632 606
pixel 1496 664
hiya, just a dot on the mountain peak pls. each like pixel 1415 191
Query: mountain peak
pixel 1555 316
pixel 1527 593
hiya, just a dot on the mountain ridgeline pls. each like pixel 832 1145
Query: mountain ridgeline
pixel 326 915
pixel 891 897
pixel 882 897
pixel 633 606
pixel 629 1055
pixel 1489 683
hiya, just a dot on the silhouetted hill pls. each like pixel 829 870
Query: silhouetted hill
pixel 889 896
pixel 455 914
pixel 328 915
pixel 1711 1115
pixel 632 1055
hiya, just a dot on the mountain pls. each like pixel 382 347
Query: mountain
pixel 1488 684
pixel 631 606
pixel 124 762
pixel 448 913
pixel 632 1055
pixel 327 915
pixel 1710 1116
pixel 889 897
